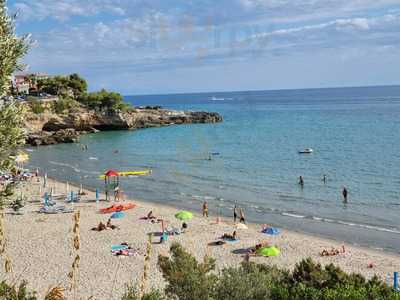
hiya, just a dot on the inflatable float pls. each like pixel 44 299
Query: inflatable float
pixel 130 173
pixel 117 208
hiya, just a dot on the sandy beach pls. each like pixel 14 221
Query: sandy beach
pixel 41 249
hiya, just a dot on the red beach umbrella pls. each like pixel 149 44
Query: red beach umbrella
pixel 111 173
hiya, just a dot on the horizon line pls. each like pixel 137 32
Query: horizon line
pixel 267 90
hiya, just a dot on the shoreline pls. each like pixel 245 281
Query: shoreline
pixel 196 209
pixel 41 252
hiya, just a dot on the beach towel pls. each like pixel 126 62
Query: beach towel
pixel 126 252
pixel 231 240
pixel 55 210
pixel 271 231
pixel 118 247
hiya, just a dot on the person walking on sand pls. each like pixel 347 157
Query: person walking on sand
pixel 301 181
pixel 344 193
pixel 117 193
pixel 242 219
pixel 235 214
pixel 205 209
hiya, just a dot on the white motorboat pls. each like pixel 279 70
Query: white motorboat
pixel 306 151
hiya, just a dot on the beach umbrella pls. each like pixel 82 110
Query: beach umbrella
pixel 268 251
pixel 117 215
pixel 271 231
pixel 22 157
pixel 184 215
pixel 111 173
pixel 241 226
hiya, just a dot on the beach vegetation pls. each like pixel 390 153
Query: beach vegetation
pixel 63 86
pixel 133 293
pixel 64 105
pixel 13 292
pixel 103 100
pixel 37 107
pixel 11 133
pixel 188 279
pixel 12 48
pixel 73 87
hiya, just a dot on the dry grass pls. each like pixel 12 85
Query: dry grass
pixel 55 293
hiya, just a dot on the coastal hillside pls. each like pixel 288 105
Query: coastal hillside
pixel 59 109
pixel 52 126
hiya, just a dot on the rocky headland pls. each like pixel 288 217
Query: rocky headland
pixel 48 127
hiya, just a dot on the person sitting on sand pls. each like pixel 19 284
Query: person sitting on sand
pixel 100 227
pixel 150 215
pixel 109 225
pixel 332 252
pixel 184 226
pixel 227 236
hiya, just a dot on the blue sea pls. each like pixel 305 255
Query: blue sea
pixel 355 134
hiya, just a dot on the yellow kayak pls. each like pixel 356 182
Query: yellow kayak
pixel 130 173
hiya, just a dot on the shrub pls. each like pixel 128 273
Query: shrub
pixel 187 279
pixel 132 293
pixel 37 107
pixel 63 105
pixel 8 292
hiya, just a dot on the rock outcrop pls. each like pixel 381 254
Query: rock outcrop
pixel 50 128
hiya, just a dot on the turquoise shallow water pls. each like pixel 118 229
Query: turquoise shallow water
pixel 354 132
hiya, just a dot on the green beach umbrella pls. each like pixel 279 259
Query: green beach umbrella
pixel 268 251
pixel 184 215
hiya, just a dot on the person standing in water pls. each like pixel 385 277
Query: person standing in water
pixel 235 214
pixel 344 193
pixel 324 179
pixel 242 219
pixel 205 209
pixel 301 181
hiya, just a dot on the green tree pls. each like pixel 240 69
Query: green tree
pixel 12 48
pixel 11 133
pixel 64 86
pixel 78 85
pixel 103 100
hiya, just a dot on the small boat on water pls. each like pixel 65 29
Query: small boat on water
pixel 306 151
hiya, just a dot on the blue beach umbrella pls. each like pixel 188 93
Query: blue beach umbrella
pixel 118 215
pixel 271 231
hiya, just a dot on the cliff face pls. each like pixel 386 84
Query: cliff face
pixel 51 128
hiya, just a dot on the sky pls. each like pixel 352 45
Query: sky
pixel 178 46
